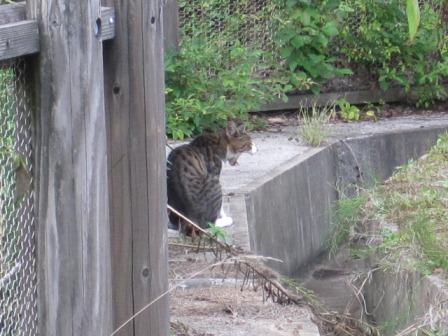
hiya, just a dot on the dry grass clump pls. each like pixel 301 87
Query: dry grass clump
pixel 406 216
pixel 415 199
pixel 313 124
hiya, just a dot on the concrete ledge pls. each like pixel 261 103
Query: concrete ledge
pixel 296 101
pixel 373 158
pixel 286 212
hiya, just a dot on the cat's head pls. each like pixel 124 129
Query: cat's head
pixel 238 142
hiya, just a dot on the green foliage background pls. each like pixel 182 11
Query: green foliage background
pixel 237 55
pixel 381 43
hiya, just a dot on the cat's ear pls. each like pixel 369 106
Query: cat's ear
pixel 235 128
pixel 231 129
pixel 241 127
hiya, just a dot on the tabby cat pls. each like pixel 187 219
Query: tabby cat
pixel 193 172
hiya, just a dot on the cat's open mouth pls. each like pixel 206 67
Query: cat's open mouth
pixel 233 161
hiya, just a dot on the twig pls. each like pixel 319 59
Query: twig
pixel 203 248
pixel 225 246
pixel 298 300
pixel 169 146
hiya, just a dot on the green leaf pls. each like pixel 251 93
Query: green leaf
pixel 286 52
pixel 413 12
pixel 305 18
pixel 344 71
pixel 298 42
pixel 293 65
pixel 322 40
pixel 290 3
pixel 330 29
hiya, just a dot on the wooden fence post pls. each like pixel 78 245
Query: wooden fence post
pixel 171 25
pixel 71 171
pixel 134 91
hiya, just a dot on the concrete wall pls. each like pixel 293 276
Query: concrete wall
pixel 395 300
pixel 287 214
pixel 363 160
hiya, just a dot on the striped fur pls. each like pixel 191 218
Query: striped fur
pixel 193 172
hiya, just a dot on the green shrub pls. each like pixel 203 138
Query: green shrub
pixel 205 87
pixel 236 55
pixel 381 43
pixel 306 29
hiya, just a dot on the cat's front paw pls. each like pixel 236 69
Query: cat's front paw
pixel 224 221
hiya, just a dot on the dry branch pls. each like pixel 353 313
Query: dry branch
pixel 253 268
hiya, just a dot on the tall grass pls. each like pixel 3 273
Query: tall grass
pixel 313 124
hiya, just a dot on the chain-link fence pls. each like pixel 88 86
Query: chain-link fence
pixel 255 23
pixel 18 279
pixel 249 22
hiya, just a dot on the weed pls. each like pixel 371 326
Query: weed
pixel 415 199
pixel 414 203
pixel 217 232
pixel 346 217
pixel 347 111
pixel 313 124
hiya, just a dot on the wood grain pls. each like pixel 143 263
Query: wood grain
pixel 108 23
pixel 18 39
pixel 135 109
pixel 171 25
pixel 19 36
pixel 71 172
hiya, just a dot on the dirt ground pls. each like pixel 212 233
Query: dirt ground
pixel 214 304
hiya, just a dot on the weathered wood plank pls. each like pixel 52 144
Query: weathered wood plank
pixel 108 23
pixel 134 105
pixel 353 97
pixel 12 13
pixel 18 39
pixel 153 283
pixel 171 24
pixel 71 172
pixel 118 115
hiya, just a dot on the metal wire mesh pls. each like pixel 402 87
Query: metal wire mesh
pixel 18 280
pixel 246 21
pixel 255 23
pixel 354 19
pixel 228 23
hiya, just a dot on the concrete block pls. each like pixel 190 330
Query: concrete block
pixel 286 212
